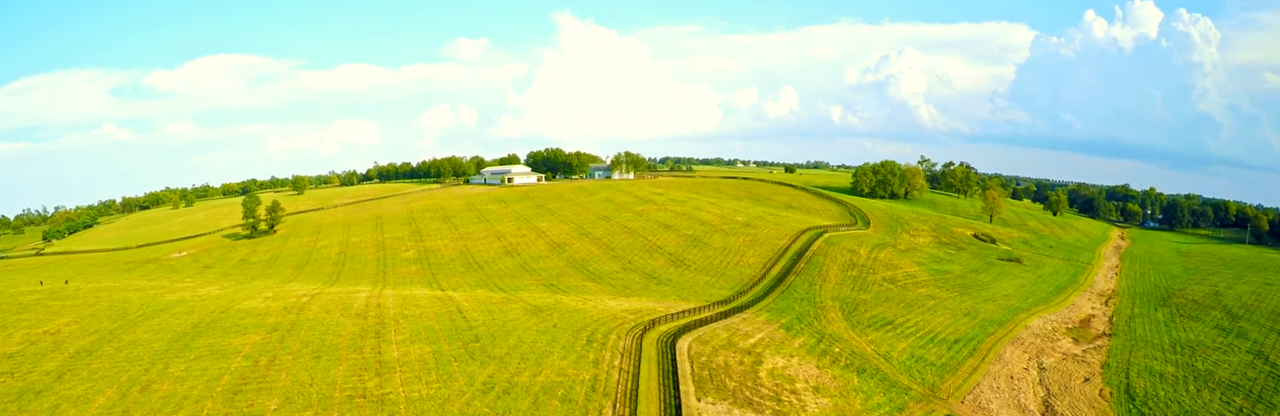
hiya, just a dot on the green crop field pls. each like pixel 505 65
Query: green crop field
pixel 456 301
pixel 1196 329
pixel 166 223
pixel 894 320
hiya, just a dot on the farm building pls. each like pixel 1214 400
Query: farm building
pixel 602 171
pixel 508 175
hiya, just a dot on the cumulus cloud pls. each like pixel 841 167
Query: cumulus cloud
pixel 443 118
pixel 1150 85
pixel 787 101
pixel 467 50
pixel 1138 22
pixel 899 78
pixel 1141 82
pixel 597 84
pixel 745 97
pixel 340 136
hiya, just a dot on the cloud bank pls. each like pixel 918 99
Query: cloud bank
pixel 1167 89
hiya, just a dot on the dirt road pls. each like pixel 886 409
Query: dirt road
pixel 1054 366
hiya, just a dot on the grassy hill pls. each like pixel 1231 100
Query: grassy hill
pixel 1195 328
pixel 458 301
pixel 166 223
pixel 895 320
pixel 19 242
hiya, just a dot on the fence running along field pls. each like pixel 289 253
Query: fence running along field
pixel 627 389
pixel 41 253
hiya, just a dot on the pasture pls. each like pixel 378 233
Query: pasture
pixel 18 242
pixel 1195 328
pixel 165 223
pixel 458 301
pixel 897 320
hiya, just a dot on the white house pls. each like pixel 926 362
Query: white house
pixel 508 175
pixel 602 171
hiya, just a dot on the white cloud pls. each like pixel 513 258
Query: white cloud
pixel 596 84
pixel 745 97
pixel 1271 79
pixel 13 147
pixel 1152 82
pixel 340 136
pixel 900 77
pixel 787 101
pixel 1138 22
pixel 466 50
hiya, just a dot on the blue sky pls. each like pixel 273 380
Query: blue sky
pixel 99 100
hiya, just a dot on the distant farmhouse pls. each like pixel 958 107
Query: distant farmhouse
pixel 602 171
pixel 508 175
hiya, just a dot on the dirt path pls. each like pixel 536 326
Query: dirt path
pixel 1054 366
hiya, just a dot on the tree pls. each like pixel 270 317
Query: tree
pixel 1057 203
pixel 1131 213
pixel 176 201
pixel 17 228
pixel 789 169
pixel 509 159
pixel 5 224
pixel 1176 214
pixel 992 204
pixel 917 185
pixel 300 184
pixel 1203 216
pixel 275 215
pixel 1258 227
pixel 188 199
pixel 249 213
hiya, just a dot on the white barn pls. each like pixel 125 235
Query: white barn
pixel 602 171
pixel 508 175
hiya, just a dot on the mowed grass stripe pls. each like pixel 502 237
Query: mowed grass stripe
pixel 917 295
pixel 1194 331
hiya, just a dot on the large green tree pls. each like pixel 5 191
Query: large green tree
pixel 1131 213
pixel 189 199
pixel 1258 227
pixel 917 184
pixel 250 214
pixel 5 223
pixel 300 184
pixel 275 215
pixel 1057 202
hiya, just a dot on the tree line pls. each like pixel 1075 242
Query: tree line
pixel 1121 203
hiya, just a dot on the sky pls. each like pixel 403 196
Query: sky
pixel 104 99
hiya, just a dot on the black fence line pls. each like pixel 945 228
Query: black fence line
pixel 41 253
pixel 627 389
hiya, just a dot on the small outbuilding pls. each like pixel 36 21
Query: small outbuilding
pixel 508 175
pixel 602 171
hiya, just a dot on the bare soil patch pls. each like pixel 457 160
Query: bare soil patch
pixel 1054 366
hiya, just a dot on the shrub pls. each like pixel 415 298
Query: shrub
pixel 986 238
pixel 1011 259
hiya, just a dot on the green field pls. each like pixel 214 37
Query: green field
pixel 166 223
pixel 895 320
pixel 457 301
pixel 17 242
pixel 1196 328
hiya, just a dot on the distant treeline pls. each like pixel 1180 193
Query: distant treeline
pixel 885 179
pixel 891 180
